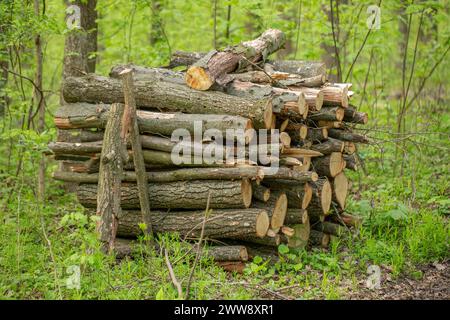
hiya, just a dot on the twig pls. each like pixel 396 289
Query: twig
pixel 199 247
pixel 172 276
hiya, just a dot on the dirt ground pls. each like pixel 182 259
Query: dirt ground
pixel 434 285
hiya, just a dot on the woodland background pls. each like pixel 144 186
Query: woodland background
pixel 400 75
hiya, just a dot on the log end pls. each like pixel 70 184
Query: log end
pixel 319 101
pixel 197 78
pixel 279 211
pixel 246 187
pixel 340 185
pixel 262 224
pixel 326 197
pixel 336 163
pixel 307 196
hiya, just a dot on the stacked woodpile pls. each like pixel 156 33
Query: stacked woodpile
pixel 302 203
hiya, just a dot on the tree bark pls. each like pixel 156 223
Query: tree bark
pixel 329 165
pixel 329 146
pixel 164 96
pixel 86 115
pixel 296 216
pixel 298 195
pixel 109 179
pixel 220 224
pixel 305 69
pixel 347 136
pixel 215 65
pixel 260 192
pixel 327 114
pixel 179 194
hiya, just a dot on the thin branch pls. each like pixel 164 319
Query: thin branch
pixel 336 50
pixel 172 276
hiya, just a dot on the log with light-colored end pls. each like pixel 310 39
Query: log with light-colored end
pixel 340 189
pixel 329 165
pixel 260 192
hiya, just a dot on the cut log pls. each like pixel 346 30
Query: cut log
pixel 294 152
pixel 180 194
pixel 219 224
pixel 289 174
pixel 298 195
pixel 327 114
pixel 330 124
pixel 232 266
pixel 329 165
pixel 333 96
pixel 77 136
pixel 253 173
pixel 296 216
pixel 276 207
pixel 340 189
pixel 347 219
pixel 329 146
pixel 317 134
pixel 228 253
pixel 266 241
pixel 353 116
pixel 301 236
pixel 260 192
pixel 164 96
pixel 321 198
pixel 349 147
pixel 297 131
pixel 215 65
pixel 351 162
pixel 109 182
pixel 287 231
pixel 330 228
pixel 85 115
pixel 318 238
pixel 347 136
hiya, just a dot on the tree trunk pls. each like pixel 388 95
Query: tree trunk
pixel 179 194
pixel 109 179
pixel 215 65
pixel 220 224
pixel 329 165
pixel 164 96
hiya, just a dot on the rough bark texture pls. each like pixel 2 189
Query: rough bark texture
pixel 81 42
pixel 260 192
pixel 298 195
pixel 351 162
pixel 328 146
pixel 288 174
pixel 330 228
pixel 296 216
pixel 86 115
pixel 228 253
pixel 327 114
pixel 161 95
pixel 305 69
pixel 329 165
pixel 214 65
pixel 219 224
pixel 187 174
pixel 110 176
pixel 340 189
pixel 347 136
pixel 180 194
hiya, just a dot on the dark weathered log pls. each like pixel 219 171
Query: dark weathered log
pixel 260 192
pixel 110 177
pixel 351 162
pixel 215 65
pixel 329 165
pixel 321 198
pixel 340 189
pixel 266 241
pixel 85 115
pixel 163 95
pixel 330 124
pixel 297 131
pixel 318 238
pixel 349 147
pixel 184 58
pixel 353 116
pixel 317 134
pixel 327 114
pixel 347 136
pixel 180 194
pixel 253 173
pixel 330 228
pixel 329 146
pixel 219 224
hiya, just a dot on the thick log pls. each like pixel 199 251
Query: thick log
pixel 299 152
pixel 296 216
pixel 163 95
pixel 347 136
pixel 289 174
pixel 260 192
pixel 180 194
pixel 327 114
pixel 253 173
pixel 276 207
pixel 228 253
pixel 351 162
pixel 335 96
pixel 77 136
pixel 86 115
pixel 330 228
pixel 220 224
pixel 298 195
pixel 215 65
pixel 329 146
pixel 321 198
pixel 317 134
pixel 329 165
pixel 110 176
pixel 340 189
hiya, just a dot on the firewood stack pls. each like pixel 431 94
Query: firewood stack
pixel 237 88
